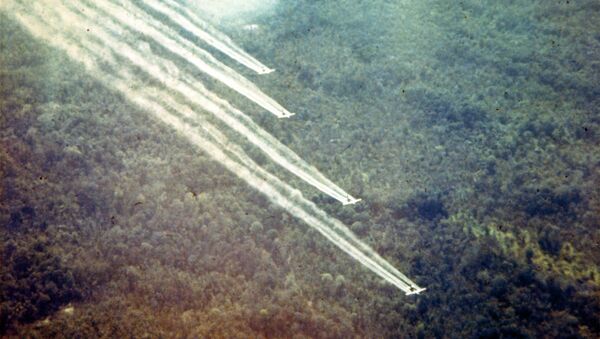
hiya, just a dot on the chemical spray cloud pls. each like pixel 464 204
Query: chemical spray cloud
pixel 202 30
pixel 110 53
pixel 220 108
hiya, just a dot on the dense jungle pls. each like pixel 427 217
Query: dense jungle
pixel 469 129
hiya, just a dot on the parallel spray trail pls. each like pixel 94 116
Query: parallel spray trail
pixel 46 20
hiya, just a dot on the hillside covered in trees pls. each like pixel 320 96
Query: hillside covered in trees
pixel 470 130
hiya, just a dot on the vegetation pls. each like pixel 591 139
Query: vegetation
pixel 470 130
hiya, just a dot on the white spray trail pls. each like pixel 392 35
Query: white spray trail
pixel 207 100
pixel 44 26
pixel 204 31
pixel 130 16
pixel 278 152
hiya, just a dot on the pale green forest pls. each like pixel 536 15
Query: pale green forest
pixel 469 129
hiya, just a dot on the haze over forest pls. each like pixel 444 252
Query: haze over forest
pixel 469 130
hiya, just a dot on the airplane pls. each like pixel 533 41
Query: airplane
pixel 351 201
pixel 415 290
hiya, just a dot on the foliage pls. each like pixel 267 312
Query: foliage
pixel 470 131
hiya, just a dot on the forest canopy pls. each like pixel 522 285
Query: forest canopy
pixel 470 131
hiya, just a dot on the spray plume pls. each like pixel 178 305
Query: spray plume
pixel 45 21
pixel 204 31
